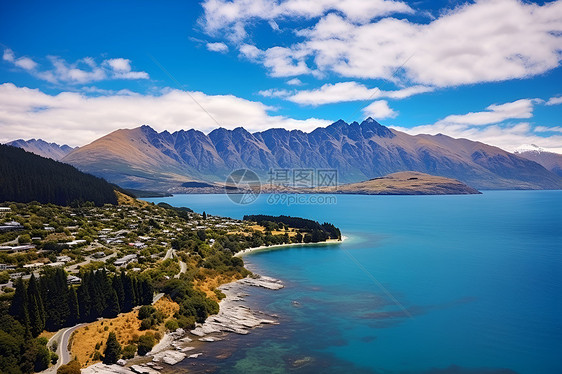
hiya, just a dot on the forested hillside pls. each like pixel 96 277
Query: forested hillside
pixel 26 177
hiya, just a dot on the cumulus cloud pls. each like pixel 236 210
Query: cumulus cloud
pixel 351 91
pixel 273 92
pixel 232 17
pixel 83 71
pixel 217 47
pixel 494 113
pixel 281 61
pixel 495 126
pixel 81 119
pixel 481 41
pixel 379 110
pixel 554 100
pixel 294 82
pixel 22 62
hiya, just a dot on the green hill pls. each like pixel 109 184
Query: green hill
pixel 26 177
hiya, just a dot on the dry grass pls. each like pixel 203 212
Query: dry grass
pixel 212 280
pixel 46 334
pixel 54 237
pixel 126 326
pixel 123 199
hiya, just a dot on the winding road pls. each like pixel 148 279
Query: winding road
pixel 62 337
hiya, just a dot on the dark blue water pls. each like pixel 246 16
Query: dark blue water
pixel 424 284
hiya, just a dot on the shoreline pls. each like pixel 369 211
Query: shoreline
pixel 280 246
pixel 234 316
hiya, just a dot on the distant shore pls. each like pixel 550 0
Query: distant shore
pixel 280 246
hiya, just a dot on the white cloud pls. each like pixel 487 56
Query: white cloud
pixel 484 41
pixel 25 63
pixel 554 100
pixel 80 119
pixel 22 62
pixel 83 71
pixel 351 91
pixel 217 47
pixel 232 17
pixel 492 127
pixel 495 113
pixel 273 92
pixel 8 55
pixel 294 82
pixel 379 110
pixel 508 137
pixel 281 62
pixel 548 129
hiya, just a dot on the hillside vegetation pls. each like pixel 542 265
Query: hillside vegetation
pixel 26 177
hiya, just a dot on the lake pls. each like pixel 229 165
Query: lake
pixel 423 284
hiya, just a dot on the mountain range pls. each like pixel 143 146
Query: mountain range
pixel 42 148
pixel 550 160
pixel 143 158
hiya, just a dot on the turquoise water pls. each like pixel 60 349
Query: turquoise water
pixel 424 284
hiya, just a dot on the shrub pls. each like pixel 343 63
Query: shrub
pixel 146 342
pixel 186 323
pixel 146 324
pixel 129 351
pixel 146 311
pixel 172 324
pixel 54 358
pixel 220 295
pixel 73 367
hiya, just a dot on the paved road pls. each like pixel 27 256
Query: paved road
pixel 157 297
pixel 62 338
pixel 183 269
pixel 170 254
pixel 74 268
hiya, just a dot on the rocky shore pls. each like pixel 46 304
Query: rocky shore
pixel 234 317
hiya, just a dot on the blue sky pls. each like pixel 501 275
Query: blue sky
pixel 486 70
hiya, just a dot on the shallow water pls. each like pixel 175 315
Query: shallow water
pixel 424 284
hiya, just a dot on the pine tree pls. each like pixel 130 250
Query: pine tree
pixel 113 305
pixel 84 298
pixel 35 307
pixel 74 307
pixel 117 285
pixel 204 215
pixel 19 306
pixel 112 350
pixel 136 293
pixel 147 292
pixel 129 294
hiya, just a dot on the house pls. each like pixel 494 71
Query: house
pixel 73 279
pixel 125 260
pixel 4 210
pixel 7 267
pixel 20 248
pixel 75 242
pixel 11 226
pixel 33 266
pixel 63 259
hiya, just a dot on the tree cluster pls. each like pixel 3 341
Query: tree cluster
pixel 27 177
pixel 50 304
pixel 314 231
